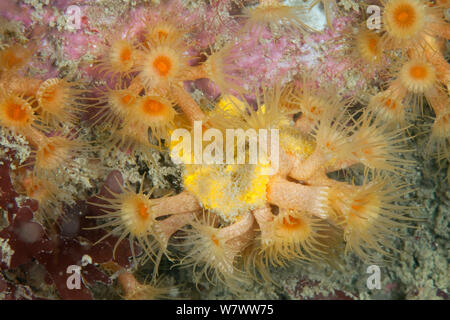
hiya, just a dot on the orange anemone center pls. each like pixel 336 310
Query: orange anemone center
pixel 162 64
pixel 162 35
pixel 330 146
pixel 315 110
pixel 152 107
pixel 405 15
pixel 50 94
pixel 418 72
pixel 390 104
pixel 36 191
pixel 127 99
pixel 142 211
pixel 49 150
pixel 16 112
pixel 125 54
pixel 11 59
pixel 53 96
pixel 215 240
pixel 358 207
pixel 290 223
pixel 373 45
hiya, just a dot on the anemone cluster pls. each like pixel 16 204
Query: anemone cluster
pixel 233 222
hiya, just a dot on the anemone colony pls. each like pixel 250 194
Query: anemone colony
pixel 232 222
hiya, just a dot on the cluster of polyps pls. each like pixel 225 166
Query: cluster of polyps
pixel 413 34
pixel 150 84
pixel 235 219
pixel 46 113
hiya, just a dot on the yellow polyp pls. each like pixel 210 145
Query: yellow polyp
pixel 125 55
pixel 11 59
pixel 418 72
pixel 127 99
pixel 231 105
pixel 16 112
pixel 162 35
pixel 53 153
pixel 404 18
pixel 143 211
pixel 121 56
pixel 14 56
pixel 362 211
pixel 256 191
pixel 418 75
pixel 288 225
pixel 215 240
pixel 37 188
pixel 164 32
pixel 162 65
pixel 293 142
pixel 135 213
pixel 263 108
pixel 404 15
pixel 188 180
pixel 369 47
pixel 53 96
pixel 228 190
pixel 373 45
pixel 152 107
